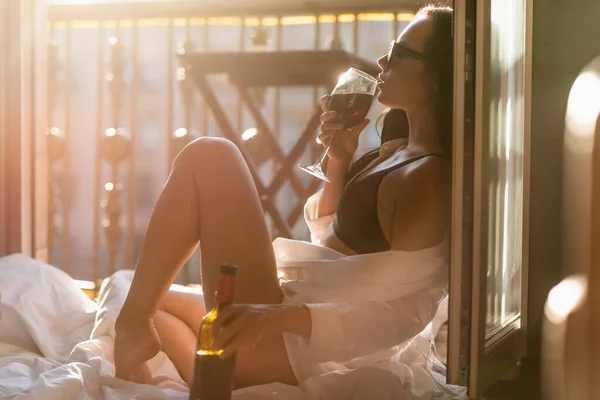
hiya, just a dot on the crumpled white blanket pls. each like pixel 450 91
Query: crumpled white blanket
pixel 55 343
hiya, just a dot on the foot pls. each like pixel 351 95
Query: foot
pixel 136 342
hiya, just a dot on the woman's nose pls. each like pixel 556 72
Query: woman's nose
pixel 382 62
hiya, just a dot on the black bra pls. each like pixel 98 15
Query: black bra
pixel 357 222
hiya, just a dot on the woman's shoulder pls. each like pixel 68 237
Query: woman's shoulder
pixel 413 203
pixel 426 174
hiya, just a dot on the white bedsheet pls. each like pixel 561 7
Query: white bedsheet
pixel 55 343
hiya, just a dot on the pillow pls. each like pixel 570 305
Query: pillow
pixel 42 305
pixel 13 330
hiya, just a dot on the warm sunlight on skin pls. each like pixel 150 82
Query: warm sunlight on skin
pixel 195 289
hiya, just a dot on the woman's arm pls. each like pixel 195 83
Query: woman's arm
pixel 332 191
pixel 334 331
pixel 243 325
pixel 342 144
pixel 344 331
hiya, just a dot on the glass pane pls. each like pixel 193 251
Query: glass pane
pixel 505 163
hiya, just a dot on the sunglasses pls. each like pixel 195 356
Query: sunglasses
pixel 399 50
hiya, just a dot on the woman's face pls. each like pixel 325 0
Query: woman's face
pixel 406 84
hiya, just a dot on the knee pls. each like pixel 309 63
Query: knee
pixel 208 150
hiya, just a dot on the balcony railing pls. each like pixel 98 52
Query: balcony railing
pixel 121 105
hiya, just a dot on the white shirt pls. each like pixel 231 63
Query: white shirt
pixel 364 308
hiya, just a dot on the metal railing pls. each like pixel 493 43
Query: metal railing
pixel 120 106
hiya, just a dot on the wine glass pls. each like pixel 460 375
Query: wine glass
pixel 350 99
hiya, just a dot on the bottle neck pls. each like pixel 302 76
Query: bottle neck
pixel 225 290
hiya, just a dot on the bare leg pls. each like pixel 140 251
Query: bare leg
pixel 186 305
pixel 211 196
pixel 264 364
pixel 178 342
pixel 232 225
pixel 177 323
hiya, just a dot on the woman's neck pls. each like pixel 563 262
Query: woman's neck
pixel 423 133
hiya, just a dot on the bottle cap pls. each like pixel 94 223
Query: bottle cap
pixel 228 269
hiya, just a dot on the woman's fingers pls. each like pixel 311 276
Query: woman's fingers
pixel 332 126
pixel 357 129
pixel 229 332
pixel 226 316
pixel 325 142
pixel 329 116
pixel 325 102
pixel 242 339
pixel 325 138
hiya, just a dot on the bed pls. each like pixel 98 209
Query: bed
pixel 56 343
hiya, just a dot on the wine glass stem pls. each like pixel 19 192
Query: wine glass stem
pixel 323 156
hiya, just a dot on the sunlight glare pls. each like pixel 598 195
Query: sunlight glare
pixel 583 106
pixel 249 134
pixel 565 297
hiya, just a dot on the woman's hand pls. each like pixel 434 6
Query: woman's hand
pixel 136 342
pixel 343 142
pixel 244 325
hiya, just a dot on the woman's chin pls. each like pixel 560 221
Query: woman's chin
pixel 385 100
pixel 381 97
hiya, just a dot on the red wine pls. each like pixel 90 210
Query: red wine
pixel 352 108
pixel 213 376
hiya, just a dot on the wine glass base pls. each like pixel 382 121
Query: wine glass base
pixel 316 171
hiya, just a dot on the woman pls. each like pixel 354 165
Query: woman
pixel 396 198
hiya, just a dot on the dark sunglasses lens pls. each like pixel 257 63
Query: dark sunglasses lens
pixel 399 51
pixel 390 55
pixel 395 52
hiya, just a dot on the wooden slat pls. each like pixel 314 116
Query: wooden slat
pixel 188 123
pixel 263 129
pixel 276 69
pixel 355 34
pixel 99 131
pixel 114 232
pixel 170 87
pixel 65 188
pixel 205 48
pixel 51 86
pixel 133 104
pixel 220 8
pixel 229 133
pixel 283 68
pixel 240 104
pixel 290 162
